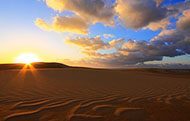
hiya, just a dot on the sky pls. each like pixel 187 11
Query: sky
pixel 97 33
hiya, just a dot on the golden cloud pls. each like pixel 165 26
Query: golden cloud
pixel 154 26
pixel 108 36
pixel 73 24
pixel 95 10
pixel 158 2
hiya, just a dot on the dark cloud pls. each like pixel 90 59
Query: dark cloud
pixel 184 21
pixel 136 14
pixel 162 65
pixel 95 10
pixel 169 43
pixel 180 7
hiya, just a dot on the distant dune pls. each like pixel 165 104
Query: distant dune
pixel 56 92
pixel 36 65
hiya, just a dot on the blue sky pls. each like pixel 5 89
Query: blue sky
pixel 20 33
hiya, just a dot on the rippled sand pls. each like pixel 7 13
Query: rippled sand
pixel 75 94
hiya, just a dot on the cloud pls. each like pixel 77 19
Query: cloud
pixel 184 21
pixel 95 10
pixel 73 24
pixel 108 36
pixel 178 38
pixel 130 52
pixel 158 2
pixel 86 62
pixel 90 45
pixel 42 24
pixel 154 26
pixel 180 7
pixel 162 65
pixel 136 14
pixel 169 43
pixel 117 43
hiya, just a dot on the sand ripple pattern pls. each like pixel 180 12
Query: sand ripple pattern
pixel 93 95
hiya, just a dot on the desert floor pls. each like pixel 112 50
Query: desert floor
pixel 76 94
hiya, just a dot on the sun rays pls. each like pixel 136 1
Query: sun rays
pixel 27 58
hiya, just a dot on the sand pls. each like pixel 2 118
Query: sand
pixel 76 94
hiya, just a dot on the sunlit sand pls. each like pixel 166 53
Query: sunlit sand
pixel 81 94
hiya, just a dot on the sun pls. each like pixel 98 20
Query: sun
pixel 27 58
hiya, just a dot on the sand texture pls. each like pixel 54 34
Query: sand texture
pixel 76 94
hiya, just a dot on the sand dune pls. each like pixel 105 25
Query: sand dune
pixel 76 94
